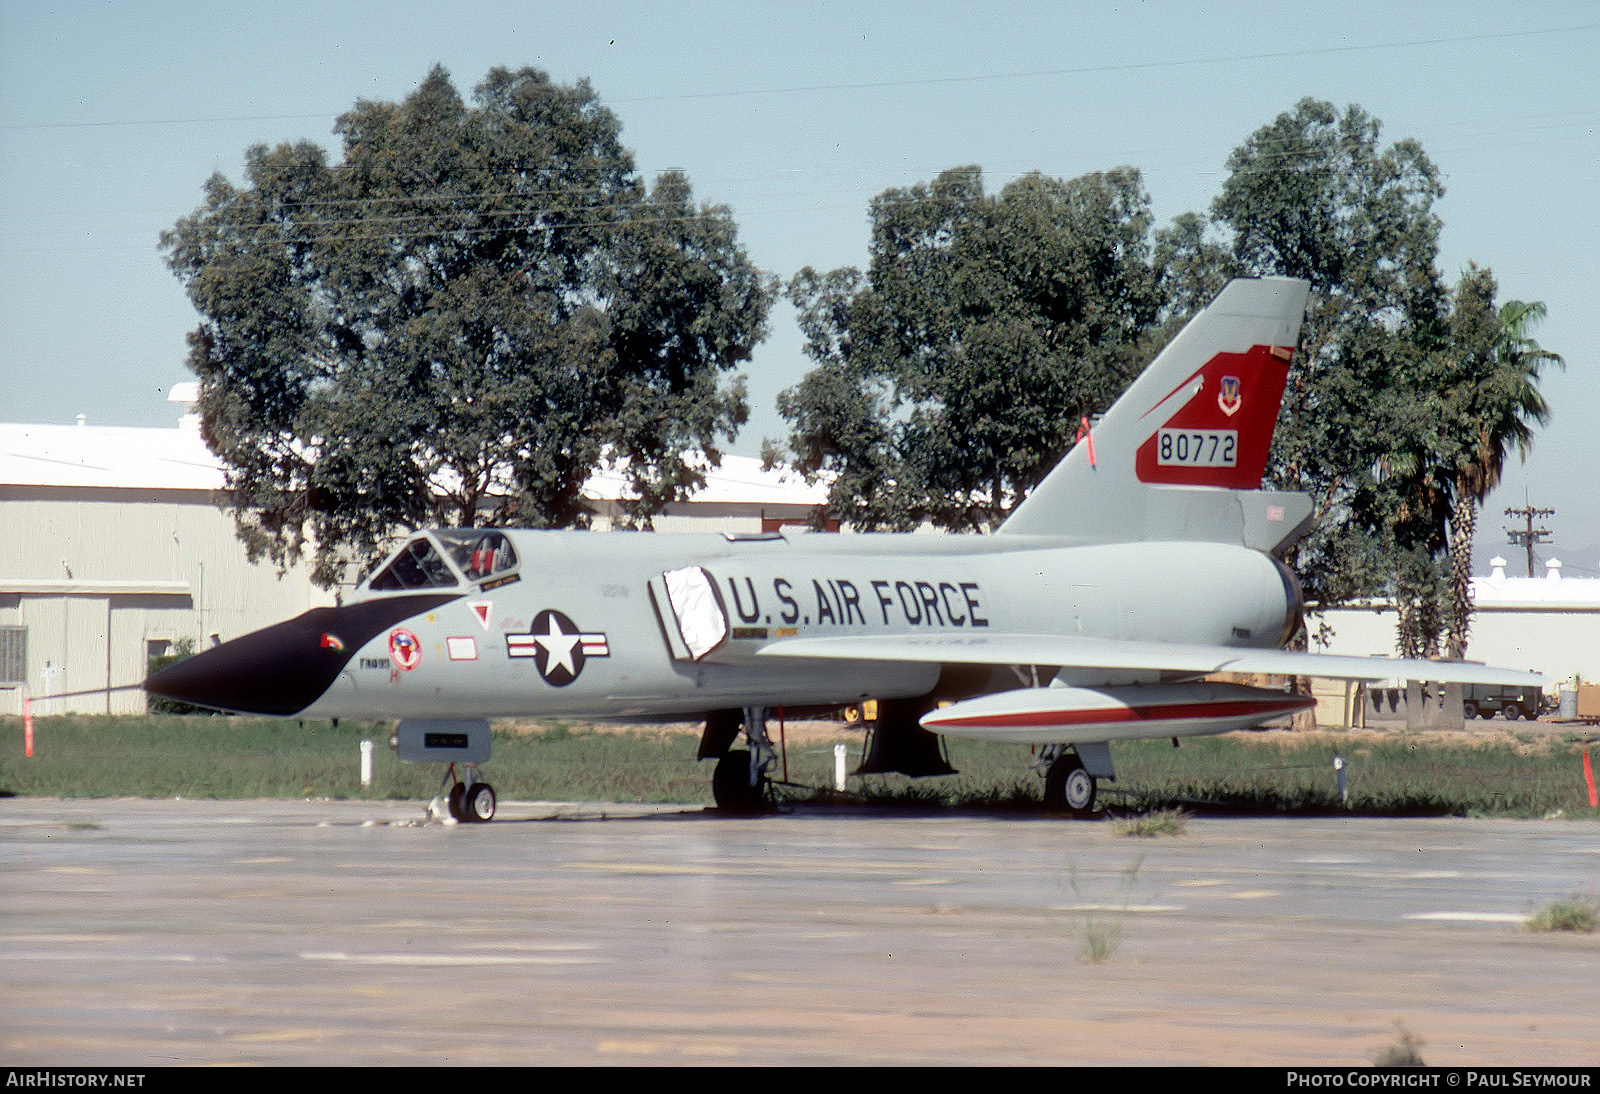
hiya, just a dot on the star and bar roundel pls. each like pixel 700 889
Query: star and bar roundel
pixel 558 648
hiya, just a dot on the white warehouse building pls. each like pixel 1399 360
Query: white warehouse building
pixel 114 546
pixel 1548 624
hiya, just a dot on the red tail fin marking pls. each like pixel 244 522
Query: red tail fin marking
pixel 1222 433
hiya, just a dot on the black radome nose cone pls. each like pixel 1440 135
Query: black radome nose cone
pixel 284 668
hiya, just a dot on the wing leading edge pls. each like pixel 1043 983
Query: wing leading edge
pixel 1127 655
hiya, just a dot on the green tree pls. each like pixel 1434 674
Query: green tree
pixel 457 322
pixel 1314 194
pixel 1194 266
pixel 1407 395
pixel 1491 399
pixel 953 374
pixel 1474 397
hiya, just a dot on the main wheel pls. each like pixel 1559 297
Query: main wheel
pixel 730 784
pixel 457 810
pixel 1068 786
pixel 478 804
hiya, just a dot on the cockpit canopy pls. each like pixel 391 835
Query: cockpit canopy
pixel 478 553
pixel 446 558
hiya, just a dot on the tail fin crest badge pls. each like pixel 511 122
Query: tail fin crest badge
pixel 1228 398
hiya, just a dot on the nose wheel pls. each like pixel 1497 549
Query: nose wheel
pixel 469 800
pixel 478 803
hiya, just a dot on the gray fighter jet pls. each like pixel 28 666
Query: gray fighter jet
pixel 1146 561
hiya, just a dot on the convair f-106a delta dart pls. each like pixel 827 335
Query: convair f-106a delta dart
pixel 1147 560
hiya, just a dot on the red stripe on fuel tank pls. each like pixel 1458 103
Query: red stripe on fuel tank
pixel 1156 712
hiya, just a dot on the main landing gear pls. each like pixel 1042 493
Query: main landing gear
pixel 741 783
pixel 1069 785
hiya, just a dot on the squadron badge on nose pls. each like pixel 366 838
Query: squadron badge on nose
pixel 558 648
pixel 404 649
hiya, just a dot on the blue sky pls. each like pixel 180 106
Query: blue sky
pixel 112 115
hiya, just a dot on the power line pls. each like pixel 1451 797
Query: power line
pixel 928 81
pixel 166 121
pixel 1529 536
pixel 1132 66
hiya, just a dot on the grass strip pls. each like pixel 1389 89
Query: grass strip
pixel 1536 774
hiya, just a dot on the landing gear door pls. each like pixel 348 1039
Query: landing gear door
pixel 692 617
pixel 442 741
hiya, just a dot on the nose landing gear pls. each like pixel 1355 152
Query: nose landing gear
pixel 462 741
pixel 469 800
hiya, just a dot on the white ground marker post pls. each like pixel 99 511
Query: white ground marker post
pixel 366 763
pixel 838 766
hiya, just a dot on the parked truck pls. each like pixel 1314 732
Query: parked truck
pixel 1487 700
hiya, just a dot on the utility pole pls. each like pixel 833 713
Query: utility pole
pixel 1527 537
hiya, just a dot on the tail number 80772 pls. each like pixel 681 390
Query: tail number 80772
pixel 1197 447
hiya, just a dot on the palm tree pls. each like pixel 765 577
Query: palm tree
pixel 1499 408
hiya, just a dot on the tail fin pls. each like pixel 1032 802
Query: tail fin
pixel 1181 454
